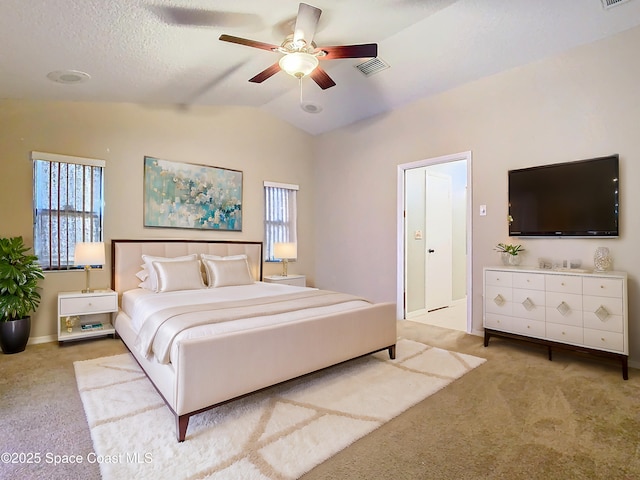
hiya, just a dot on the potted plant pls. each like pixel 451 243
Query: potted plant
pixel 19 294
pixel 509 253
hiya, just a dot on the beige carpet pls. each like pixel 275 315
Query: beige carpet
pixel 279 433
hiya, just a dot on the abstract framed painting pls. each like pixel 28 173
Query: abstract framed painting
pixel 185 195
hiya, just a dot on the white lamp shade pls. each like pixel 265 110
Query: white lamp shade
pixel 286 250
pixel 89 253
pixel 298 64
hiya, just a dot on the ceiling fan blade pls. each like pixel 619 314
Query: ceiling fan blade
pixel 321 77
pixel 248 43
pixel 366 50
pixel 210 85
pixel 306 23
pixel 207 18
pixel 266 73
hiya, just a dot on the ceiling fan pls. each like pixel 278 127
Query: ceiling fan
pixel 300 54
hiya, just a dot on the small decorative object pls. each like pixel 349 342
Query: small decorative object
pixel 545 263
pixel 602 259
pixel 509 253
pixel 71 322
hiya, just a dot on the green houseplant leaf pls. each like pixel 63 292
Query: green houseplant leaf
pixel 19 277
pixel 510 249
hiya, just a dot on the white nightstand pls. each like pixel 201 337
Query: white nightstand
pixel 92 308
pixel 297 280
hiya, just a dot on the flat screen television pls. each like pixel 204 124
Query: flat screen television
pixel 573 199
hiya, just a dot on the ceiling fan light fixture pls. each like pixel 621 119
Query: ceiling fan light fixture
pixel 298 64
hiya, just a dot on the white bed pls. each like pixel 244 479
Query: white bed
pixel 200 365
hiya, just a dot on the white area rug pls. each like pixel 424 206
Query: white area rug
pixel 279 433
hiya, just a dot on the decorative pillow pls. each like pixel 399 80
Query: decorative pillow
pixel 178 275
pixel 152 281
pixel 206 256
pixel 227 271
pixel 143 274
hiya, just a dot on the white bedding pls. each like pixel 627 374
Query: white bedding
pixel 139 304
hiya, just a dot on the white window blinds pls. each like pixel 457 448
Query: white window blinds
pixel 68 198
pixel 280 215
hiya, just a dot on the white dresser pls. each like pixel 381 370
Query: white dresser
pixel 577 311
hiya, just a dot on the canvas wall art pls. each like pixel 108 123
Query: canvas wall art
pixel 185 195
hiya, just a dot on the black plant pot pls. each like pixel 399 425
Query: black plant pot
pixel 14 335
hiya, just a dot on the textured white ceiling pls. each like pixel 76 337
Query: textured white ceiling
pixel 168 53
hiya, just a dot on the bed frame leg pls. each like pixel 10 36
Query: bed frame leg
pixel 392 352
pixel 182 422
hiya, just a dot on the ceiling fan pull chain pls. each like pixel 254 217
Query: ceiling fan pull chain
pixel 300 82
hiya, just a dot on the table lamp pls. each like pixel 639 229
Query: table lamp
pixel 88 254
pixel 285 251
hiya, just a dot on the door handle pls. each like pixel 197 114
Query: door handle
pixel 431 250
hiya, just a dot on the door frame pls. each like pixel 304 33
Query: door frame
pixel 401 207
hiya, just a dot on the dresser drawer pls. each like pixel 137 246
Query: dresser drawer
pixel 83 305
pixel 563 283
pixel 528 304
pixel 565 333
pixel 498 322
pixel 498 300
pixel 492 277
pixel 602 287
pixel 609 341
pixel 530 281
pixel 528 327
pixel 612 306
pixel 565 308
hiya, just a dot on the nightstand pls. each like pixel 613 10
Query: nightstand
pixel 89 314
pixel 296 280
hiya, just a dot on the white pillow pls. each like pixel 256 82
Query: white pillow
pixel 152 281
pixel 178 275
pixel 226 271
pixel 206 256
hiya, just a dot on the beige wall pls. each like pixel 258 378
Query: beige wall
pixel 582 104
pixel 246 139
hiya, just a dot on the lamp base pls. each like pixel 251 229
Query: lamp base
pixel 87 288
pixel 284 267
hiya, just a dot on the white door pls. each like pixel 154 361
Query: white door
pixel 439 241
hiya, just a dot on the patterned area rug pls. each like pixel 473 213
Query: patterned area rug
pixel 278 433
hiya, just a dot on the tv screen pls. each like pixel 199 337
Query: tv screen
pixel 577 199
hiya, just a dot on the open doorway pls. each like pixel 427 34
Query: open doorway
pixel 434 235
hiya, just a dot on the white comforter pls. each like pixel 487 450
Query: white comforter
pixel 140 304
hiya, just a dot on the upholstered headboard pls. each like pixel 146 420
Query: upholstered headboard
pixel 126 256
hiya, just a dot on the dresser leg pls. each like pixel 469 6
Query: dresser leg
pixel 487 335
pixel 625 368
pixel 550 355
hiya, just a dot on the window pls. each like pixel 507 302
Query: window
pixel 279 216
pixel 68 204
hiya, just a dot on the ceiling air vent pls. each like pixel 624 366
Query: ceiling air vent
pixel 612 3
pixel 373 66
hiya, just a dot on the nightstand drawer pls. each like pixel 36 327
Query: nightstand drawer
pixel 295 280
pixel 82 305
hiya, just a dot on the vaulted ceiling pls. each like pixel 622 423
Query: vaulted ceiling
pixel 169 53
